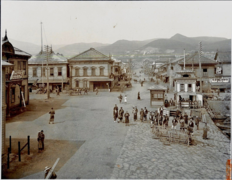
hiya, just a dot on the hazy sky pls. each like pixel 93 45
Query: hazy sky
pixel 107 22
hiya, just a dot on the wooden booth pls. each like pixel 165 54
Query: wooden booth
pixel 157 95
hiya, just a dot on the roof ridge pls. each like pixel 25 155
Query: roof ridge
pixel 21 50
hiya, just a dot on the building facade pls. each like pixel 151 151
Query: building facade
pixel 91 69
pixel 55 68
pixel 16 76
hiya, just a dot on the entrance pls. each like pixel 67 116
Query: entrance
pixel 191 98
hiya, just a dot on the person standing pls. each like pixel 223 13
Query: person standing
pixel 52 116
pixel 197 121
pixel 145 113
pixel 135 113
pixel 115 112
pixel 161 110
pixel 205 130
pixel 191 126
pixel 141 114
pixel 127 118
pixel 96 89
pixel 185 118
pixel 182 125
pixel 138 95
pixel 125 99
pixel 120 98
pixel 120 115
pixel 58 91
pixel 39 139
pixel 42 135
pixel 174 123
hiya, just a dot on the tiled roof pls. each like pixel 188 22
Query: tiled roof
pixel 4 64
pixel 157 87
pixel 194 59
pixel 53 59
pixel 223 56
pixel 20 52
pixel 90 54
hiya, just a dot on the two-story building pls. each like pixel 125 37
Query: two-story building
pixel 91 69
pixel 55 68
pixel 222 80
pixel 206 73
pixel 16 76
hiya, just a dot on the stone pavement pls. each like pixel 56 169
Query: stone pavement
pixel 146 158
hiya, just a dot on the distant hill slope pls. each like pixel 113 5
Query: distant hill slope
pixel 25 46
pixel 74 49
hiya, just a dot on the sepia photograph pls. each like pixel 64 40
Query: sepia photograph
pixel 116 89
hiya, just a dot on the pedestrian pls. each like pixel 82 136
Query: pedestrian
pixel 52 116
pixel 160 120
pixel 135 113
pixel 161 110
pixel 145 113
pixel 42 135
pixel 141 114
pixel 174 123
pixel 125 99
pixel 191 126
pixel 120 98
pixel 185 118
pixel 151 117
pixel 120 115
pixel 166 121
pixel 46 172
pixel 57 91
pixel 115 112
pixel 197 121
pixel 138 95
pixel 178 113
pixel 127 118
pixel 205 130
pixel 96 89
pixel 182 125
pixel 39 139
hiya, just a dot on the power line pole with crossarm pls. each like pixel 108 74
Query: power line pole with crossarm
pixel 47 51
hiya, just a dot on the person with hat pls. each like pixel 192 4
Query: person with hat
pixel 141 114
pixel 52 116
pixel 47 170
pixel 115 112
pixel 127 118
pixel 120 114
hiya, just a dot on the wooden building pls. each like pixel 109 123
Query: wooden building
pixel 91 69
pixel 157 95
pixel 57 70
pixel 16 76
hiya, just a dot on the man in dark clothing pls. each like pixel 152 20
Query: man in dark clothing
pixel 42 136
pixel 120 114
pixel 115 112
pixel 185 118
pixel 127 118
pixel 145 113
pixel 138 95
pixel 141 114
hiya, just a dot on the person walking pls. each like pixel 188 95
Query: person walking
pixel 141 114
pixel 115 112
pixel 120 115
pixel 127 118
pixel 139 96
pixel 39 139
pixel 96 89
pixel 52 116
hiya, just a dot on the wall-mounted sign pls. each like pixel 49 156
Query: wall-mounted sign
pixel 218 70
pixel 220 80
pixel 18 74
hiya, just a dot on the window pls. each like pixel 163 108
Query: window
pixel 85 84
pixel 59 71
pixel 101 71
pixel 34 72
pixel 12 95
pixel 205 73
pixel 185 75
pixel 182 87
pixel 77 72
pixel 189 87
pixel 77 83
pixel 158 95
pixel 43 72
pixel 25 67
pixel 85 71
pixel 93 71
pixel 51 71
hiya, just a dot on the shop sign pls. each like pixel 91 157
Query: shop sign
pixel 226 80
pixel 18 74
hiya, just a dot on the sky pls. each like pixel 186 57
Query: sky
pixel 107 22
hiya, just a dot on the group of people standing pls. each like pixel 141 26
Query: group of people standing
pixel 119 114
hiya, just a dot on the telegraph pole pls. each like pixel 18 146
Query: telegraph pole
pixel 42 53
pixel 47 51
pixel 200 51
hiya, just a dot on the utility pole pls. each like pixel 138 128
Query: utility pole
pixel 200 50
pixel 47 51
pixel 170 75
pixel 42 53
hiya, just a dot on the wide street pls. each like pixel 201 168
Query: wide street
pixel 113 150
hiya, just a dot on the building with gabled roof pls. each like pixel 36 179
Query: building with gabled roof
pixel 15 77
pixel 57 70
pixel 91 69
